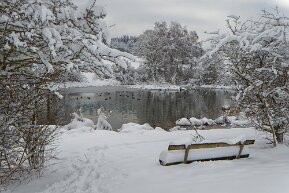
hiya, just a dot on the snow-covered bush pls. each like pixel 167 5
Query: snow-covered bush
pixel 79 121
pixel 207 121
pixel 24 148
pixel 240 120
pixel 196 122
pixel 257 53
pixel 183 122
pixel 102 123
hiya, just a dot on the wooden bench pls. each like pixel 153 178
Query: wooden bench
pixel 208 146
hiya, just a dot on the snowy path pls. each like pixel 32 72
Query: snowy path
pixel 109 162
pixel 86 175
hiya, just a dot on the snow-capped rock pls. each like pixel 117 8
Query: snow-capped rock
pixel 207 121
pixel 79 122
pixel 196 122
pixel 183 122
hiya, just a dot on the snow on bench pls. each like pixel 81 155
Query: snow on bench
pixel 177 154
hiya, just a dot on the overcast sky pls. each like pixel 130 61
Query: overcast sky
pixel 132 17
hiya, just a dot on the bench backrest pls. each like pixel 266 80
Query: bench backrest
pixel 209 145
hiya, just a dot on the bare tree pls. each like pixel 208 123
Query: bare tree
pixel 170 52
pixel 40 40
pixel 257 53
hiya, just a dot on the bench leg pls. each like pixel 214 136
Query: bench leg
pixel 240 151
pixel 186 154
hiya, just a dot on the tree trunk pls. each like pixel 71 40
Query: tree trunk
pixel 280 137
pixel 273 131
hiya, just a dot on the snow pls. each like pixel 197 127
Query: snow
pixel 189 140
pixel 177 156
pixel 216 87
pixel 127 162
pixel 4 18
pixel 79 122
pixel 54 88
pixel 102 123
pixel 135 128
pixel 207 121
pixel 63 30
pixel 90 81
pixel 196 122
pixel 137 63
pixel 185 141
pixel 197 154
pixel 44 14
pixel 183 122
pixel 233 120
pixel 240 120
pixel 14 38
pixel 160 87
pixel 49 66
pixel 220 120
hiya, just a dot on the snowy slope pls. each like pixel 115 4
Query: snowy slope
pixel 127 162
pixel 90 80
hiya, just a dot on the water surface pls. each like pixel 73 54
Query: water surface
pixel 158 108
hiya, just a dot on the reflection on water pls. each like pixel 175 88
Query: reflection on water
pixel 158 108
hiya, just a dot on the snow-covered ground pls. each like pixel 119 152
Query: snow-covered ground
pixel 100 161
pixel 216 87
pixel 90 80
pixel 137 63
pixel 159 87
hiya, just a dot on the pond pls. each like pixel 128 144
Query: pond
pixel 158 108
